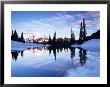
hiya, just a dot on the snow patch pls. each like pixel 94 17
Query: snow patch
pixel 91 45
pixel 90 69
pixel 23 46
pixel 92 66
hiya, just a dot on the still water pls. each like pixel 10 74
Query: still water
pixel 55 62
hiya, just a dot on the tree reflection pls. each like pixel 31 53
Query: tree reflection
pixel 72 50
pixel 55 50
pixel 51 48
pixel 15 54
pixel 22 53
pixel 82 55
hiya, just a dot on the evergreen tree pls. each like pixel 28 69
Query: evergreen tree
pixel 15 36
pixel 12 35
pixel 84 30
pixel 81 32
pixel 65 41
pixel 54 39
pixel 49 39
pixel 72 39
pixel 33 39
pixel 22 38
pixel 82 35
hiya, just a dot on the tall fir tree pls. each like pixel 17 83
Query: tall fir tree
pixel 15 36
pixel 33 39
pixel 22 38
pixel 12 35
pixel 49 39
pixel 83 33
pixel 72 39
pixel 54 39
pixel 84 29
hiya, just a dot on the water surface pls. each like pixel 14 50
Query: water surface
pixel 55 62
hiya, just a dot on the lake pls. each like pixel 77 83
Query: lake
pixel 55 62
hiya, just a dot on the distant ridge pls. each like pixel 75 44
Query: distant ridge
pixel 95 35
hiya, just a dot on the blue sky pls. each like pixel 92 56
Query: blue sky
pixel 40 23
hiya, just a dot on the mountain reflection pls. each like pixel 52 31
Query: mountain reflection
pixel 54 50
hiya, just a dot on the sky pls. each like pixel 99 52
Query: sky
pixel 43 23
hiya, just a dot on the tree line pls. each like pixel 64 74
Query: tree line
pixel 65 42
pixel 15 37
pixel 62 41
pixel 70 41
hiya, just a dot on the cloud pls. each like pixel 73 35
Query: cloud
pixel 48 25
pixel 61 23
pixel 92 18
